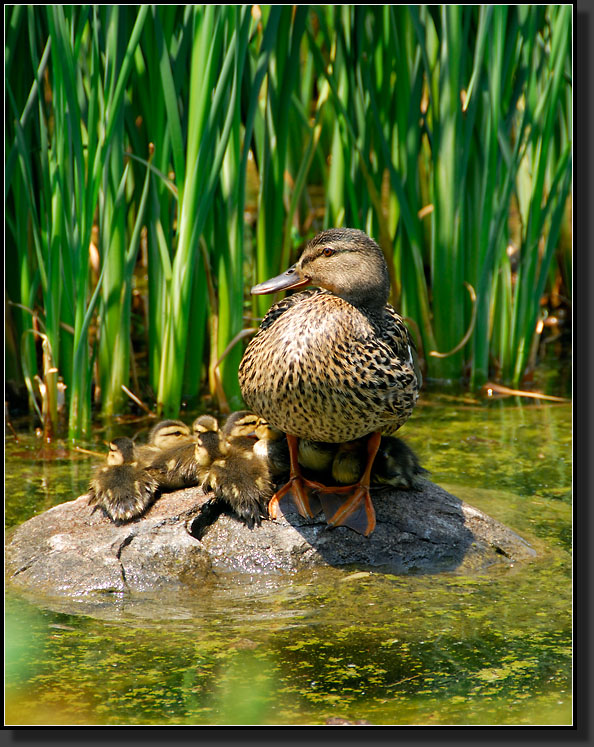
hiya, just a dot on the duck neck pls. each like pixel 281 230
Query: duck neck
pixel 371 304
pixel 369 291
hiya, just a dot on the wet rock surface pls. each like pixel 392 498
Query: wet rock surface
pixel 182 542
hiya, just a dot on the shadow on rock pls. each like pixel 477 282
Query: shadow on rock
pixel 417 531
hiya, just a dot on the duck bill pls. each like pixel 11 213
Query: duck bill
pixel 289 279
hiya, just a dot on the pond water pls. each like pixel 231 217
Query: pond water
pixel 488 648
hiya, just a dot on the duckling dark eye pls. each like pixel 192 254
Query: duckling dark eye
pixel 328 251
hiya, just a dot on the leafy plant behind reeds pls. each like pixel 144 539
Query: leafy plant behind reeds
pixel 129 132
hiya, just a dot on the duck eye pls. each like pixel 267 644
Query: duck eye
pixel 327 251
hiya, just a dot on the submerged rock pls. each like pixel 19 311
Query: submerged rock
pixel 183 541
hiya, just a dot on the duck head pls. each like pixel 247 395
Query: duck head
pixel 240 424
pixel 204 423
pixel 169 433
pixel 121 451
pixel 207 448
pixel 344 261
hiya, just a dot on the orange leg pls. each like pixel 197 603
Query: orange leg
pixel 349 513
pixel 297 486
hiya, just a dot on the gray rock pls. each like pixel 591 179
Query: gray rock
pixel 181 543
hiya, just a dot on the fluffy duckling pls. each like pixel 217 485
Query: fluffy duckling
pixel 123 489
pixel 238 476
pixel 397 465
pixel 316 456
pixel 207 450
pixel 243 482
pixel 349 462
pixel 177 466
pixel 204 423
pixel 163 435
pixel 272 448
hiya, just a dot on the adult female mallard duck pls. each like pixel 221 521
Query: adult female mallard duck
pixel 332 364
pixel 123 489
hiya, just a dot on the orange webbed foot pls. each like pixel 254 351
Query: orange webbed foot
pixel 356 511
pixel 301 492
pixel 298 489
pixel 350 505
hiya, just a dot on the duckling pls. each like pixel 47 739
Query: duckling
pixel 243 482
pixel 316 456
pixel 332 364
pixel 248 432
pixel 176 467
pixel 397 465
pixel 349 462
pixel 123 489
pixel 204 423
pixel 272 448
pixel 207 450
pixel 238 476
pixel 163 435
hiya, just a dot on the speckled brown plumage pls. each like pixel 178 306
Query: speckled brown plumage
pixel 332 365
pixel 324 368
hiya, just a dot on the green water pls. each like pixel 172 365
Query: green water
pixel 442 649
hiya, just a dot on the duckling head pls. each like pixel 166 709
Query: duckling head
pixel 169 433
pixel 344 261
pixel 207 449
pixel 204 423
pixel 240 424
pixel 121 451
pixel 266 432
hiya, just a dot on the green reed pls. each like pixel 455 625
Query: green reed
pixel 419 95
pixel 129 133
pixel 220 38
pixel 62 153
pixel 272 126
